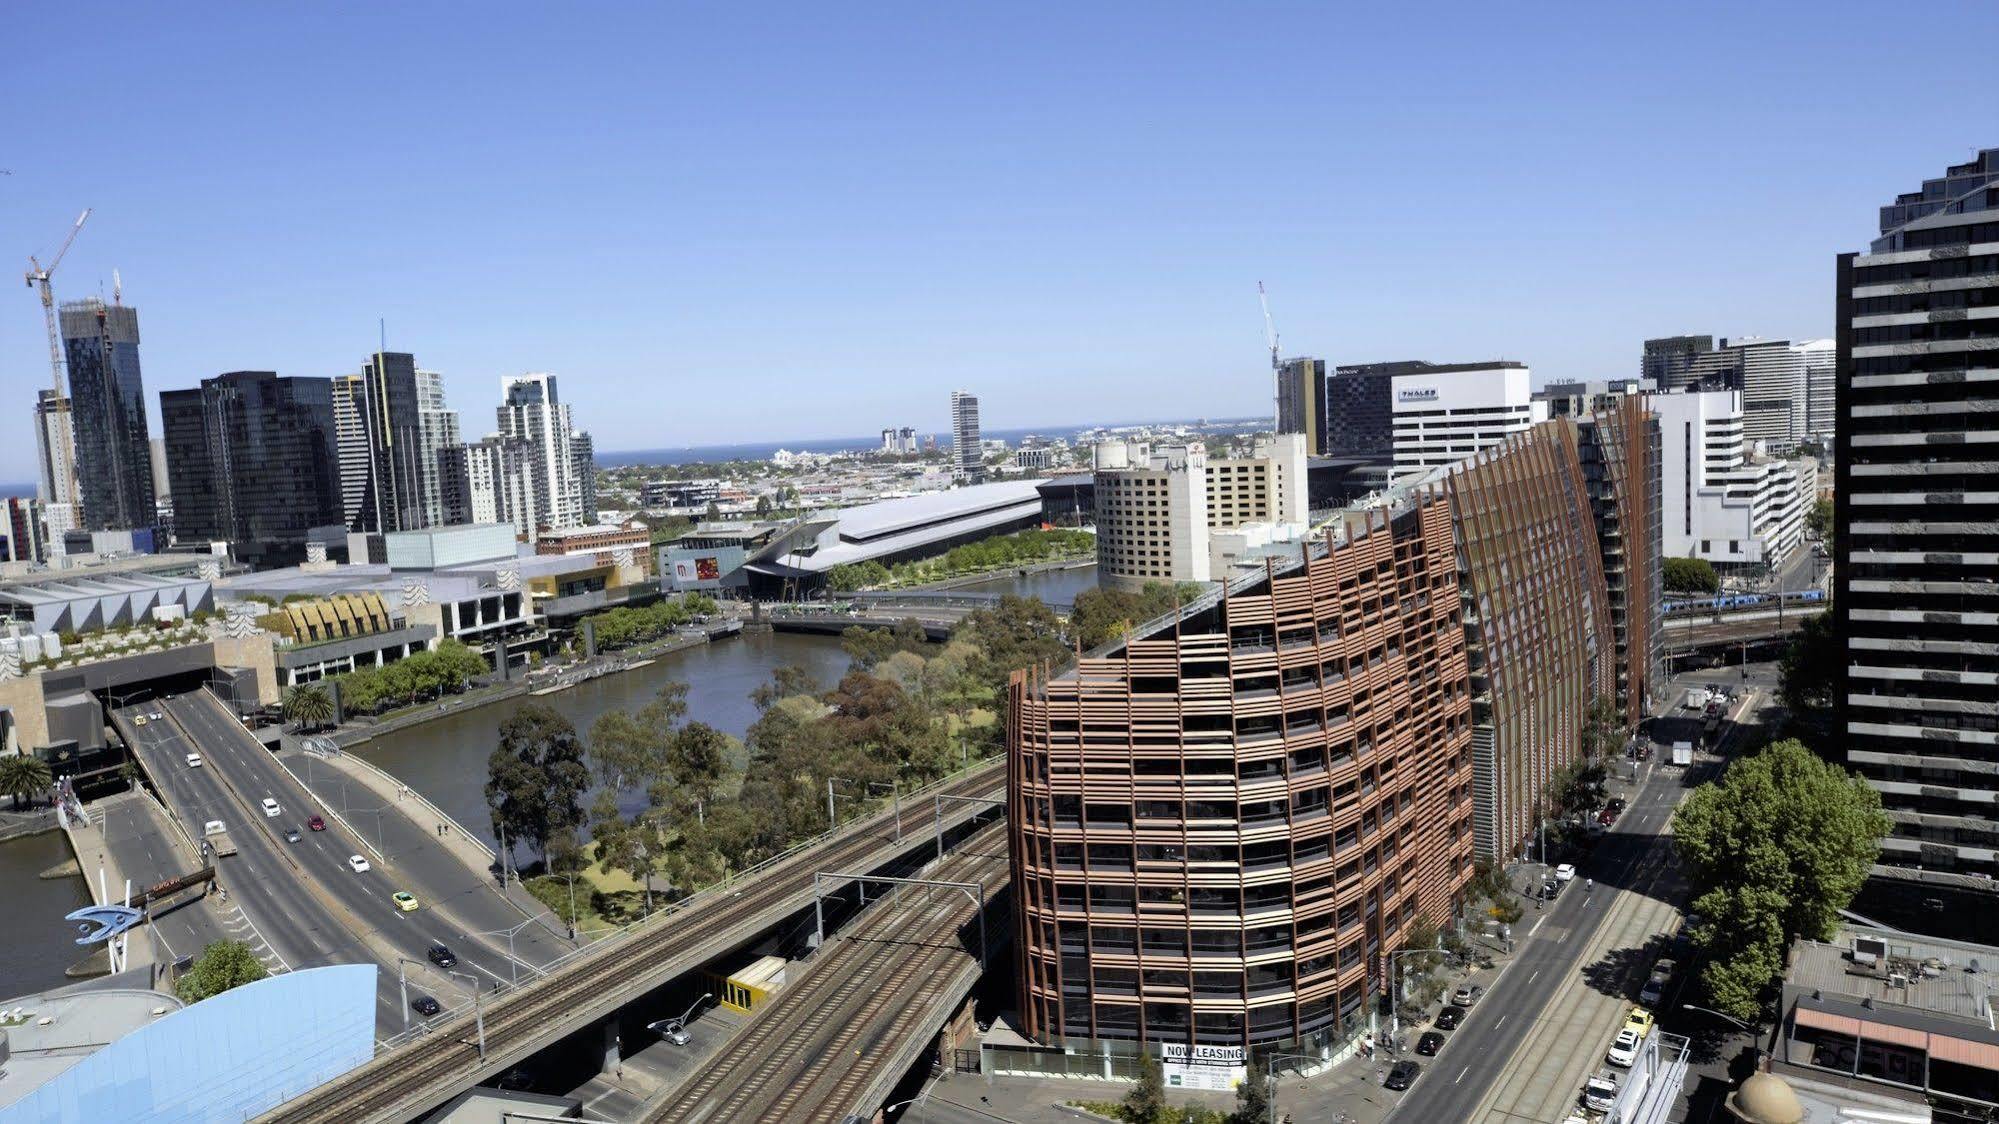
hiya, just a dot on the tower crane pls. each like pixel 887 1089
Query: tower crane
pixel 38 275
pixel 1269 325
pixel 1276 364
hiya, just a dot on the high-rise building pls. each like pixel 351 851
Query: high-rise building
pixel 391 411
pixel 1446 412
pixel 1360 408
pixel 1621 451
pixel 114 461
pixel 583 456
pixel 1151 513
pixel 968 460
pixel 1724 500
pixel 531 410
pixel 55 449
pixel 1292 795
pixel 492 481
pixel 1915 603
pixel 1301 401
pixel 1532 578
pixel 23 537
pixel 1821 359
pixel 1669 362
pixel 437 427
pixel 253 460
pixel 350 425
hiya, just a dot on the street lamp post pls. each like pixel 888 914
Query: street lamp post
pixel 478 1014
pixel 513 962
pixel 1739 1024
pixel 895 794
pixel 403 986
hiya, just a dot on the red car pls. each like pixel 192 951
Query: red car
pixel 316 824
pixel 1607 817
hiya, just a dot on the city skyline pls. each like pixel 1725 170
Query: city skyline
pixel 783 218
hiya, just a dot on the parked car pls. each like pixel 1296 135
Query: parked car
pixel 316 824
pixel 1565 872
pixel 1616 806
pixel 1551 889
pixel 1655 984
pixel 358 864
pixel 194 760
pixel 271 809
pixel 1624 1051
pixel 1450 1017
pixel 1639 1020
pixel 673 1030
pixel 155 716
pixel 441 956
pixel 426 1006
pixel 1467 995
pixel 1401 1075
pixel 1606 817
pixel 1600 1092
pixel 139 720
pixel 292 835
pixel 1429 1044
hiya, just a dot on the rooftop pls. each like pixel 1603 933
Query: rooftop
pixel 55 1030
pixel 890 517
pixel 1922 974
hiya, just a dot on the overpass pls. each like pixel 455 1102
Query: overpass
pixel 834 1043
pixel 414 1074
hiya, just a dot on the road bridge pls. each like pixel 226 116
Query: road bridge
pixel 417 1073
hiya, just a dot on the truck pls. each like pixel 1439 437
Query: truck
pixel 1695 699
pixel 215 836
pixel 1683 754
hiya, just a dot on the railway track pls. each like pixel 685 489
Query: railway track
pixel 405 1081
pixel 809 1055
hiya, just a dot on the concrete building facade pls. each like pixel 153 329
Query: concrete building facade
pixel 532 411
pixel 1151 514
pixel 968 462
pixel 1724 500
pixel 1445 413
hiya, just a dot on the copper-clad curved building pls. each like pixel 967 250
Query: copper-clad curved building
pixel 1219 829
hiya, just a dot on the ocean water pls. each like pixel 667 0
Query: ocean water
pixel 760 451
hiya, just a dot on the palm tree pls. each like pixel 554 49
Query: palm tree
pixel 23 775
pixel 309 705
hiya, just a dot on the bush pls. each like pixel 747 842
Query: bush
pixel 1691 575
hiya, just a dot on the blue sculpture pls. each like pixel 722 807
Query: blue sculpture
pixel 100 923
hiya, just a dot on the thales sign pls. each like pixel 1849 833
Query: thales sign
pixel 1417 394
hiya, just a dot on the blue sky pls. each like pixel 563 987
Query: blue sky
pixel 725 223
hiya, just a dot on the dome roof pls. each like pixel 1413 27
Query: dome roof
pixel 1766 1098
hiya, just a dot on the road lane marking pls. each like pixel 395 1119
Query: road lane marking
pixel 1537 926
pixel 1500 1023
pixel 1461 1075
pixel 1530 979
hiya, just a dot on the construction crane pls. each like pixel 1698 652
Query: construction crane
pixel 1276 364
pixel 38 275
pixel 1269 325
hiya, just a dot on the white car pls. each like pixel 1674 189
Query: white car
pixel 271 809
pixel 155 716
pixel 1600 1093
pixel 1565 872
pixel 194 760
pixel 357 864
pixel 1624 1051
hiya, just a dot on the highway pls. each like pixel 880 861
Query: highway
pixel 361 900
pixel 264 881
pixel 142 842
pixel 408 1080
pixel 855 1014
pixel 1524 1050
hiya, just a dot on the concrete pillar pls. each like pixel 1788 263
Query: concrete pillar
pixel 613 1062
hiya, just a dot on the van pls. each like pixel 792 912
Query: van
pixel 213 827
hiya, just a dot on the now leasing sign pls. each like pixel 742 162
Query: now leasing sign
pixel 1202 1055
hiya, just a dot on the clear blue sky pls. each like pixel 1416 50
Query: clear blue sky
pixel 724 223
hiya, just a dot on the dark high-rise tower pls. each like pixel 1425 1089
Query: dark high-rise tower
pixel 253 459
pixel 114 460
pixel 391 409
pixel 1301 401
pixel 1916 504
pixel 1669 361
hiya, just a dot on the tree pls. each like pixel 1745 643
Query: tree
pixel 23 775
pixel 1252 1100
pixel 1691 575
pixel 1774 850
pixel 221 966
pixel 1819 519
pixel 1146 1102
pixel 1811 665
pixel 697 759
pixel 788 680
pixel 633 844
pixel 536 777
pixel 1603 728
pixel 309 705
pixel 628 749
pixel 867 646
pixel 1016 633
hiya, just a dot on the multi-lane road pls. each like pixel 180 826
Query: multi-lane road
pixel 304 900
pixel 1527 1045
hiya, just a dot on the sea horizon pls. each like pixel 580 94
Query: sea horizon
pixel 763 450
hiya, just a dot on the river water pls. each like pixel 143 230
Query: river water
pixel 445 759
pixel 1057 587
pixel 36 944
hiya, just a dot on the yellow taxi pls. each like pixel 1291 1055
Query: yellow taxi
pixel 405 901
